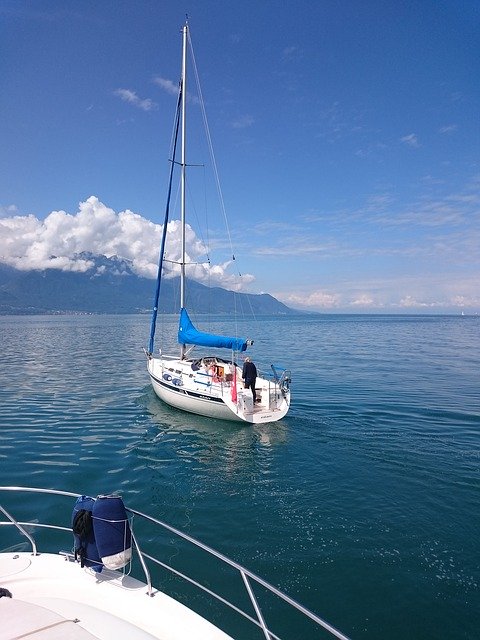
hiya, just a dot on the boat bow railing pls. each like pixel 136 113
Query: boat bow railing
pixel 249 579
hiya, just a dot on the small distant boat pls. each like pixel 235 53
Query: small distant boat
pixel 59 593
pixel 207 385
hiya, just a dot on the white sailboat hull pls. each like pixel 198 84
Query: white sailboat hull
pixel 202 392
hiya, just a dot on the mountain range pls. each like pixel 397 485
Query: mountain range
pixel 111 286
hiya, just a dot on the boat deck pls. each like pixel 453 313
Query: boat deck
pixel 78 604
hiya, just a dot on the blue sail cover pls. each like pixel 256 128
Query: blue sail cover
pixel 187 334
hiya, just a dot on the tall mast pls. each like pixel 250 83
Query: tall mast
pixel 183 166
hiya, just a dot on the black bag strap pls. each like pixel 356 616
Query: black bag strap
pixel 82 527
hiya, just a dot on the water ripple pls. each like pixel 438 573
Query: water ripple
pixel 363 500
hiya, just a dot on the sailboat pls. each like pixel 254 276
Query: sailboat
pixel 208 385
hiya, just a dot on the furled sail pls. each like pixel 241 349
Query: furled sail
pixel 187 334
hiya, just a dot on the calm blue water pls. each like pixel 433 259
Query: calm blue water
pixel 363 503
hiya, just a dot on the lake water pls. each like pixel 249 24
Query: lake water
pixel 362 504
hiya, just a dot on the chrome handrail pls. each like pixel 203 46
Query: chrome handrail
pixel 142 562
pixel 253 600
pixel 19 526
pixel 244 573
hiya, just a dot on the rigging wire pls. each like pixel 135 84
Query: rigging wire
pixel 216 177
pixel 165 222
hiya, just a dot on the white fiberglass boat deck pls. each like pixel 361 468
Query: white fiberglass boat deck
pixel 53 597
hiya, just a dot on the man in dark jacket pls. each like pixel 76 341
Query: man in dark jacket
pixel 249 375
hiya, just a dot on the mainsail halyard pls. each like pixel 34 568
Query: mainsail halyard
pixel 184 170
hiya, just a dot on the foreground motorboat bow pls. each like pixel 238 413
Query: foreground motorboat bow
pixel 59 593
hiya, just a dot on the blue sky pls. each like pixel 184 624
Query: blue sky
pixel 346 136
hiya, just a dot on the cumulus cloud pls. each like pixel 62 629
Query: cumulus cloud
pixel 364 300
pixel 312 300
pixel 401 294
pixel 56 242
pixel 409 302
pixel 465 301
pixel 7 210
pixel 127 95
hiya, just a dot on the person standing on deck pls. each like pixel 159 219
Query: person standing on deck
pixel 249 375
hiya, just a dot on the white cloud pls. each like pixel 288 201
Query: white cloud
pixel 465 301
pixel 471 302
pixel 167 85
pixel 398 294
pixel 131 97
pixel 410 140
pixel 364 300
pixel 290 52
pixel 29 243
pixel 313 300
pixel 449 128
pixel 172 88
pixel 7 210
pixel 243 122
pixel 409 302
